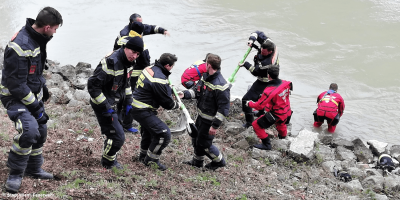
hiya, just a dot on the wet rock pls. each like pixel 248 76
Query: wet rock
pixel 363 153
pixel 353 185
pixel 377 147
pixel 342 142
pixel 280 144
pixel 344 154
pixel 325 138
pixel 373 182
pixel 392 183
pixel 324 152
pixel 395 152
pixel 301 147
pixel 234 128
pixel 242 144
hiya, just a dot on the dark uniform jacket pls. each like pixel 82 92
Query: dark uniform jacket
pixel 110 84
pixel 142 61
pixel 148 30
pixel 153 90
pixel 261 63
pixel 24 62
pixel 213 97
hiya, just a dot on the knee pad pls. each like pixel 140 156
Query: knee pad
pixel 266 120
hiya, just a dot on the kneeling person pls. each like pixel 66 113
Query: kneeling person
pixel 275 101
pixel 152 91
pixel 110 90
pixel 330 108
pixel 213 101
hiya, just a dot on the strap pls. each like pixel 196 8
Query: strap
pixel 198 71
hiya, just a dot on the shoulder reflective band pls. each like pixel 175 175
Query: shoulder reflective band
pixel 21 52
pixel 110 71
pixel 198 71
pixel 262 79
pixel 152 79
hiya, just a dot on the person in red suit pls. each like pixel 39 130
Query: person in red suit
pixel 330 108
pixel 275 101
pixel 193 73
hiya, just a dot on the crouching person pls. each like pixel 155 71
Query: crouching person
pixel 275 101
pixel 152 91
pixel 213 100
pixel 110 90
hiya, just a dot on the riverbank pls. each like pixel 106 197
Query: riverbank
pixel 298 167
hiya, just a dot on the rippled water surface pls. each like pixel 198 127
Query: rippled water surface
pixel 352 43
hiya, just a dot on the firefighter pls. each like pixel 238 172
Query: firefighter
pixel 152 91
pixel 213 100
pixel 21 92
pixel 266 56
pixel 110 91
pixel 147 29
pixel 193 73
pixel 140 63
pixel 275 101
pixel 330 108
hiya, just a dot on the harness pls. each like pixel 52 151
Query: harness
pixel 197 69
pixel 329 99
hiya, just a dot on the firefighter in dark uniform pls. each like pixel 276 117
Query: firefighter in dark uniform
pixel 266 56
pixel 213 100
pixel 147 30
pixel 110 90
pixel 152 91
pixel 22 94
pixel 141 62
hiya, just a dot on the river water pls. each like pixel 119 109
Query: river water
pixel 353 43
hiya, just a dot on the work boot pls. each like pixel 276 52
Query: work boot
pixel 151 161
pixel 115 164
pixel 265 145
pixel 13 183
pixel 194 163
pixel 39 174
pixel 131 130
pixel 215 165
pixel 281 137
pixel 141 157
pixel 246 125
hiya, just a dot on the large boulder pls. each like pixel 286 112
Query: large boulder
pixel 363 153
pixel 325 138
pixel 81 95
pixel 324 153
pixel 392 183
pixel 377 147
pixel 67 72
pixel 395 152
pixel 302 147
pixel 58 96
pixel 280 144
pixel 342 142
pixel 344 154
pixel 373 182
pixel 242 144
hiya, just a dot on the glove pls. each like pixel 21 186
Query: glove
pixel 108 113
pixel 250 42
pixel 37 112
pixel 181 94
pixel 46 94
pixel 247 103
pixel 128 108
pixel 42 118
pixel 246 64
